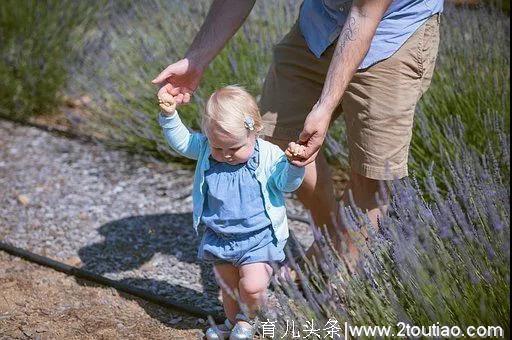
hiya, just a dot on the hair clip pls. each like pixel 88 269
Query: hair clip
pixel 249 123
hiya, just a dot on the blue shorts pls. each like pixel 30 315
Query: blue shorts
pixel 239 249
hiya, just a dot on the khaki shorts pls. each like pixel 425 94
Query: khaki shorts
pixel 378 105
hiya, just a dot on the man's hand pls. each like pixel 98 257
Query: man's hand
pixel 313 134
pixel 179 80
pixel 224 18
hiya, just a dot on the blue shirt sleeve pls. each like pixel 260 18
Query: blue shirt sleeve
pixel 179 138
pixel 286 176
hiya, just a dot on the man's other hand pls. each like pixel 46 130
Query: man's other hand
pixel 313 134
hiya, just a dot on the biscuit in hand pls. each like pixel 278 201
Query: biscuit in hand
pixel 167 103
pixel 295 151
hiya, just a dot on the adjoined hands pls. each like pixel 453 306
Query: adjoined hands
pixel 313 134
pixel 295 151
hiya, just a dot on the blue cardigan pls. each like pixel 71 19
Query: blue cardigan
pixel 275 173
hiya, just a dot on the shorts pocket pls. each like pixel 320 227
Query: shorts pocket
pixel 428 43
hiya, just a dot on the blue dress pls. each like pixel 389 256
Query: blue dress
pixel 237 228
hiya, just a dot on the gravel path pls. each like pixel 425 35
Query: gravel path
pixel 116 214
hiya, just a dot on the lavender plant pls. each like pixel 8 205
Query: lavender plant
pixel 445 261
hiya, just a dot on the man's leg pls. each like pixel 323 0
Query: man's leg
pixel 379 106
pixel 378 109
pixel 292 86
pixel 317 195
pixel 364 192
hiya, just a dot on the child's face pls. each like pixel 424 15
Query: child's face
pixel 229 149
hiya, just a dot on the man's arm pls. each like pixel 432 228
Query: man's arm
pixel 222 21
pixel 353 44
pixel 224 18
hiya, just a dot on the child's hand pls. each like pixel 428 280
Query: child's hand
pixel 295 151
pixel 167 103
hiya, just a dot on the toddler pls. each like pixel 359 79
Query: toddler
pixel 238 191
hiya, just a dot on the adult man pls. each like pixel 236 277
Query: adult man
pixel 370 59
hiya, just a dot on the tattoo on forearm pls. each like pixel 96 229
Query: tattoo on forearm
pixel 356 36
pixel 349 33
pixel 336 81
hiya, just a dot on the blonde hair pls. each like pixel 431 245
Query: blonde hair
pixel 227 109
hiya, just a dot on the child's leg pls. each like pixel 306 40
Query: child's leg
pixel 229 275
pixel 253 284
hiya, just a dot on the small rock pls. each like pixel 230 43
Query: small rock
pixel 83 215
pixel 73 261
pixel 27 331
pixel 41 329
pixel 147 267
pixel 45 312
pixel 86 100
pixel 8 285
pixel 23 199
pixel 78 102
pixel 21 303
pixel 175 320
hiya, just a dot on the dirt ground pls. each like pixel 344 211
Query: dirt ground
pixel 39 303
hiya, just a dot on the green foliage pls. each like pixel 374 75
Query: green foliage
pixel 37 39
pixel 504 5
pixel 471 85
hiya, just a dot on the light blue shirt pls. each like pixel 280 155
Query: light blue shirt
pixel 234 204
pixel 274 173
pixel 321 22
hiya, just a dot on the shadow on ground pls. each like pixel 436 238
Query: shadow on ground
pixel 134 244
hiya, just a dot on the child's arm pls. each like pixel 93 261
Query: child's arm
pixel 286 176
pixel 180 139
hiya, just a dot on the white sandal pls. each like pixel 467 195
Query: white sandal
pixel 240 332
pixel 219 332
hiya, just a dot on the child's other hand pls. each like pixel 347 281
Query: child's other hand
pixel 167 103
pixel 295 151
